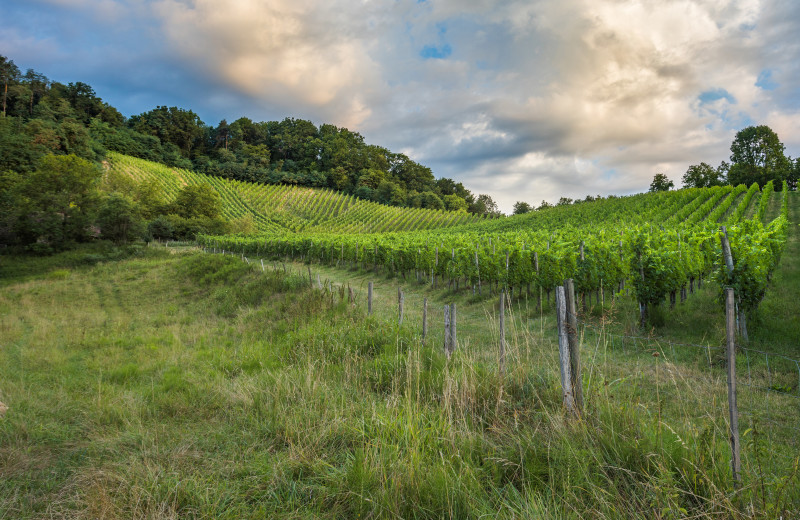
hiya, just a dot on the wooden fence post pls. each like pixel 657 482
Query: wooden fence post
pixel 447 338
pixel 477 268
pixel 574 346
pixel 310 280
pixel 563 348
pixel 726 253
pixel 424 319
pixel 730 330
pixel 369 299
pixel 453 321
pixel 400 300
pixel 502 360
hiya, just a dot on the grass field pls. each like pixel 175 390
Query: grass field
pixel 161 383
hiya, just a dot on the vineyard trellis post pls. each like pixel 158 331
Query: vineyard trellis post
pixel 447 338
pixel 369 299
pixel 574 345
pixel 563 348
pixel 424 319
pixel 728 256
pixel 502 360
pixel 400 301
pixel 453 336
pixel 730 330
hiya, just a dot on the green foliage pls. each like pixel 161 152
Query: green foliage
pixel 702 176
pixel 661 183
pixel 757 155
pixel 119 219
pixel 56 203
pixel 521 207
pixel 199 200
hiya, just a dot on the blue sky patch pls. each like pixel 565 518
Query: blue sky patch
pixel 433 52
pixel 765 80
pixel 709 96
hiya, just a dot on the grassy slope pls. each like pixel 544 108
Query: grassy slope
pixel 190 386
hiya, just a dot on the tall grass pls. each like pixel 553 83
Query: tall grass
pixel 195 386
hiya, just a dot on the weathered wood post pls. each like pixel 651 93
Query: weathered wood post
pixel 730 331
pixel 574 345
pixel 369 299
pixel 424 319
pixel 400 300
pixel 502 359
pixel 435 268
pixel 453 335
pixel 447 338
pixel 538 285
pixel 726 253
pixel 478 269
pixel 310 280
pixel 563 348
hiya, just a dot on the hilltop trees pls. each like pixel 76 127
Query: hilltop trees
pixel 757 155
pixel 41 117
pixel 704 176
pixel 661 183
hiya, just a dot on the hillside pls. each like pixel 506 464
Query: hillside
pixel 193 385
pixel 279 208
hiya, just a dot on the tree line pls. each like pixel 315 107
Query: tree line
pixel 41 117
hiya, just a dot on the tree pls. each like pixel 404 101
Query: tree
pixel 454 203
pixel 701 175
pixel 195 201
pixel 8 72
pixel 544 205
pixel 520 208
pixel 661 183
pixel 564 201
pixel 119 219
pixel 484 205
pixel 757 155
pixel 61 199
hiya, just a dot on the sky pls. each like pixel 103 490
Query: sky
pixel 522 100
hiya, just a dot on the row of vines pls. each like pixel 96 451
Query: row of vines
pixel 654 244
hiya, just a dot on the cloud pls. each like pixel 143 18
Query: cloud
pixel 289 52
pixel 522 100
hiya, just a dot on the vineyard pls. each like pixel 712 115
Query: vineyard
pixel 656 245
pixel 285 208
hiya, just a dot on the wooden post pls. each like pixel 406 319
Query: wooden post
pixel 424 319
pixel 447 338
pixel 574 346
pixel 538 286
pixel 310 280
pixel 319 282
pixel 351 297
pixel 262 265
pixel 369 299
pixel 477 268
pixel 563 348
pixel 726 253
pixel 453 335
pixel 400 299
pixel 502 361
pixel 436 265
pixel 730 330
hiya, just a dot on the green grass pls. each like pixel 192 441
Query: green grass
pixel 173 384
